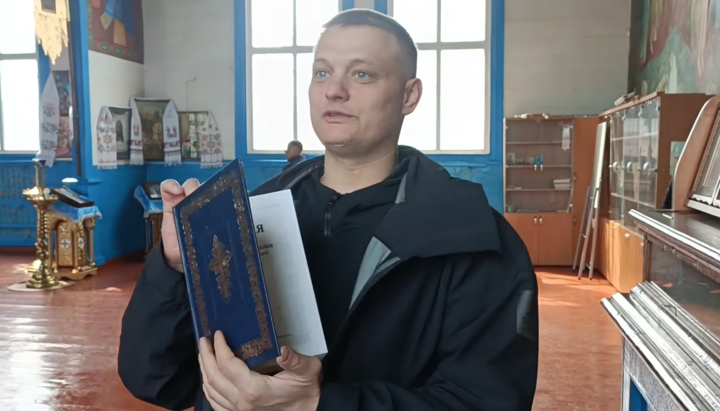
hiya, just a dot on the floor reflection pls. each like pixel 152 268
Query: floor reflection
pixel 58 350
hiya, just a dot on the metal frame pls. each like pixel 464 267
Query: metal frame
pixel 470 45
pixel 5 57
pixel 437 46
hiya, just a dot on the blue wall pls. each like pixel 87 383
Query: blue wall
pixel 121 230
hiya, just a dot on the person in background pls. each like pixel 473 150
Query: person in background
pixel 293 154
pixel 427 295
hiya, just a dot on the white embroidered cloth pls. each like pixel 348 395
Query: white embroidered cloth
pixel 49 121
pixel 136 147
pixel 171 136
pixel 210 144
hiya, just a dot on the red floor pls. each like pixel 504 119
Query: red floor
pixel 58 349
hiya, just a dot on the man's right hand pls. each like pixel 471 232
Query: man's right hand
pixel 172 193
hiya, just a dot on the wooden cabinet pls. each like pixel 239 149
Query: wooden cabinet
pixel 619 255
pixel 548 167
pixel 547 236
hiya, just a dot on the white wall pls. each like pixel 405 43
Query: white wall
pixel 189 57
pixel 113 82
pixel 565 56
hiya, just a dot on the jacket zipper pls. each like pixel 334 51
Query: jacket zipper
pixel 343 326
pixel 328 214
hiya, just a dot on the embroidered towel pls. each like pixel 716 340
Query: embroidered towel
pixel 49 121
pixel 136 147
pixel 106 145
pixel 210 144
pixel 171 136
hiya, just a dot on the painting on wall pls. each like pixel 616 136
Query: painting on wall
pixel 116 28
pixel 62 81
pixel 676 46
pixel 65 137
pixel 121 118
pixel 151 119
pixel 191 125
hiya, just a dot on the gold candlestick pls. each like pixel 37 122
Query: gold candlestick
pixel 41 199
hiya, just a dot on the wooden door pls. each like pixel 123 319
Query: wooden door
pixel 526 226
pixel 554 239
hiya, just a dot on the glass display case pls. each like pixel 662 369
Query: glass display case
pixel 633 160
pixel 538 165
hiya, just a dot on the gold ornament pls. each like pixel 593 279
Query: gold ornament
pixel 51 26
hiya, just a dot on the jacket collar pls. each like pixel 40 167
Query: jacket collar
pixel 435 214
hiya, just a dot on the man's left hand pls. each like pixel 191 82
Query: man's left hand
pixel 230 385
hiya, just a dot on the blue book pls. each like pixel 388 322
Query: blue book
pixel 223 270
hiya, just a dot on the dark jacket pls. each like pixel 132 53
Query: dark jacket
pixel 293 161
pixel 444 314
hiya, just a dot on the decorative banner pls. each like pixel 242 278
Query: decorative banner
pixel 210 144
pixel 171 136
pixel 51 26
pixel 106 144
pixel 49 121
pixel 136 144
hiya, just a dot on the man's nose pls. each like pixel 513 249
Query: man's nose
pixel 336 90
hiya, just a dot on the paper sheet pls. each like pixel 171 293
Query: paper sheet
pixel 287 277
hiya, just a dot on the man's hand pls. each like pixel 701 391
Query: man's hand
pixel 172 193
pixel 230 385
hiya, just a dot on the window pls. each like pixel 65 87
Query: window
pixel 453 63
pixel 19 94
pixel 281 35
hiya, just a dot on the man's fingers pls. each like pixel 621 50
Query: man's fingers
pixel 211 394
pixel 170 187
pixel 190 185
pixel 233 367
pixel 211 372
pixel 298 364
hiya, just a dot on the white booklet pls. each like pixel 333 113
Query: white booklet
pixel 287 277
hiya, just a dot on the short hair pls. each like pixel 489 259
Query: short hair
pixel 372 18
pixel 295 143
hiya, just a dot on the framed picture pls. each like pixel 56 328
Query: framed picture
pixel 191 125
pixel 68 196
pixel 121 118
pixel 64 88
pixel 151 113
pixel 152 190
pixel 65 138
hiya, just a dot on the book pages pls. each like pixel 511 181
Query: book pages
pixel 287 277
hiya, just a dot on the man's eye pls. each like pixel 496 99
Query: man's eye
pixel 321 74
pixel 362 75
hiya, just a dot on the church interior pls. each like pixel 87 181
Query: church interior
pixel 593 127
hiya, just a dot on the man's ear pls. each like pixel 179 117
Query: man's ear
pixel 413 92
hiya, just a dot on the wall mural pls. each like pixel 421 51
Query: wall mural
pixel 676 47
pixel 116 28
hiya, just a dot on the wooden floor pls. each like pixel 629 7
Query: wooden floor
pixel 58 349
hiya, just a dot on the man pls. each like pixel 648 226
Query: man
pixel 293 154
pixel 427 296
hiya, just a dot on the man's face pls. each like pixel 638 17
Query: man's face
pixel 292 151
pixel 359 93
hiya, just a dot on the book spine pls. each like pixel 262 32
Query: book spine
pixel 188 276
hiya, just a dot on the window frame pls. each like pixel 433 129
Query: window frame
pixel 249 52
pixel 5 57
pixel 438 45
